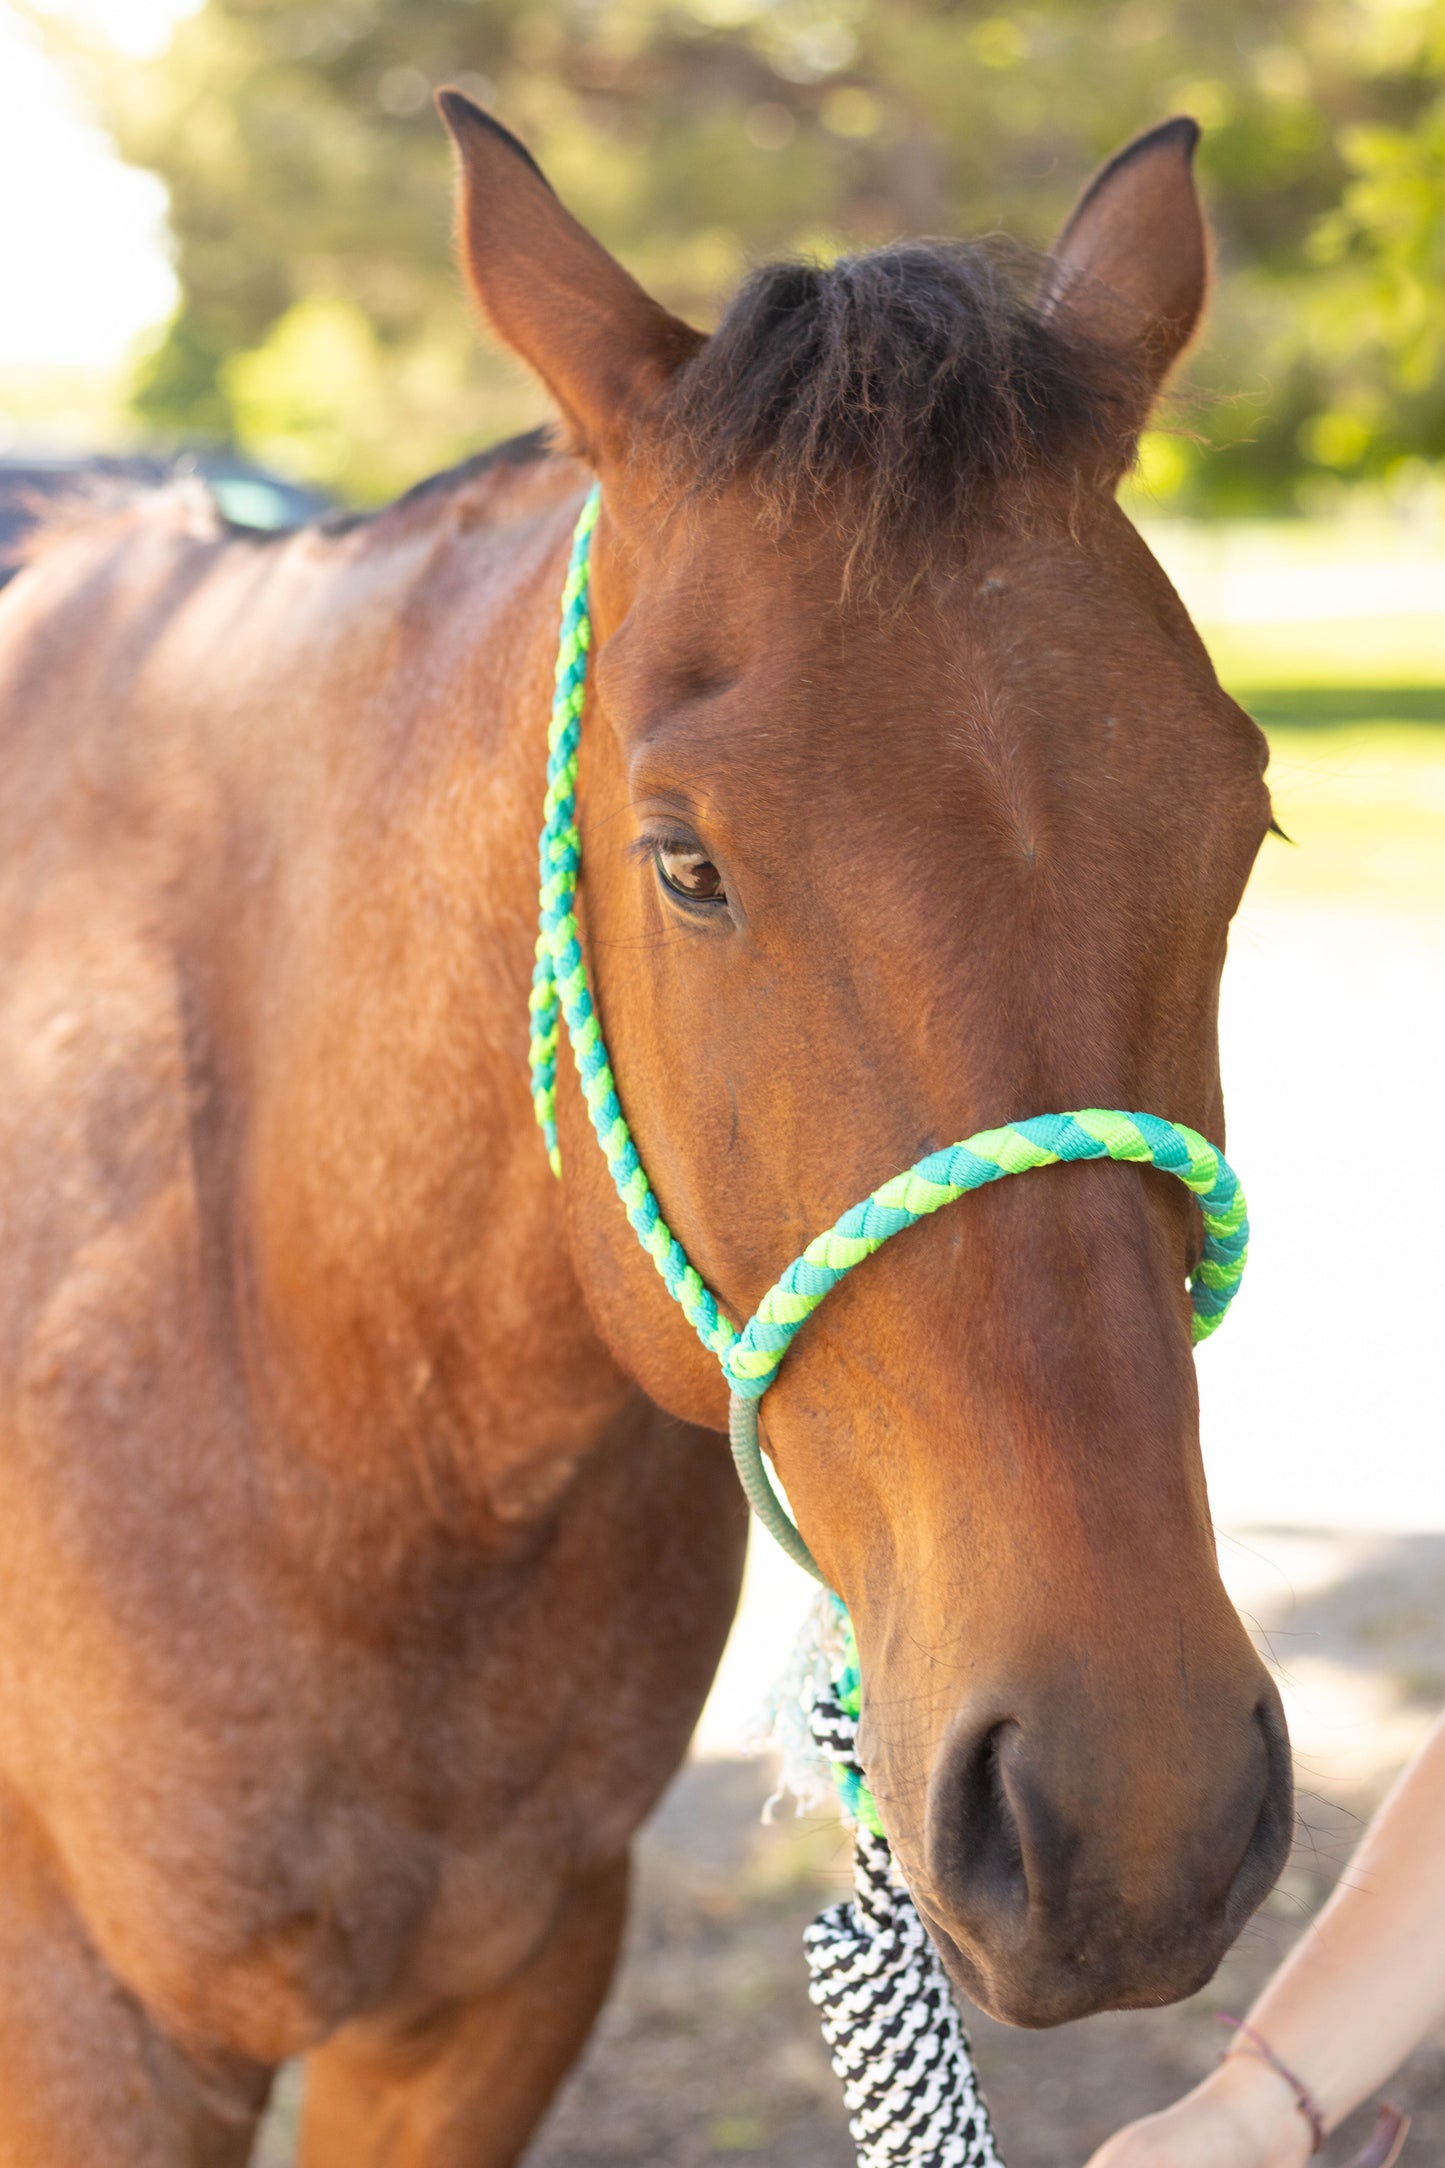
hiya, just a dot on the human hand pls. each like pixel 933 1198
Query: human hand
pixel 1242 2116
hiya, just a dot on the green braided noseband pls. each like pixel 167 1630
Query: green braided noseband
pixel 750 1358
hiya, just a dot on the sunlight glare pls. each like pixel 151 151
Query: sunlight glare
pixel 133 26
pixel 82 251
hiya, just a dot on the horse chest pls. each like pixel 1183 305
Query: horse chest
pixel 301 1800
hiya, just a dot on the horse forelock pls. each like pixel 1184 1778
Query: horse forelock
pixel 898 392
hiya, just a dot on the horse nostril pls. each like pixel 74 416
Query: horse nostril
pixel 1269 1842
pixel 990 1847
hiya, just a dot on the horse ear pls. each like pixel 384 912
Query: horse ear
pixel 1131 268
pixel 602 346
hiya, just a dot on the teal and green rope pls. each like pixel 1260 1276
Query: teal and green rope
pixel 857 1801
pixel 750 1359
pixel 560 976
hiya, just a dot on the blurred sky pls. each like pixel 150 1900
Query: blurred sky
pixel 82 240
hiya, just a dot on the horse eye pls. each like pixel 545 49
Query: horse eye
pixel 689 873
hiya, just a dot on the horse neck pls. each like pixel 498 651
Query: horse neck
pixel 422 1323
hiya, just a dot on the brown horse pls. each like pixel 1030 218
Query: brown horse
pixel 368 1538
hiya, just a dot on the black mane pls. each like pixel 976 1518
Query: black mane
pixel 895 389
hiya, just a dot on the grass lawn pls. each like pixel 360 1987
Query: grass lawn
pixel 1355 717
pixel 1364 807
pixel 1403 653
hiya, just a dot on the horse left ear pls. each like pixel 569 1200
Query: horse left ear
pixel 601 345
pixel 1130 270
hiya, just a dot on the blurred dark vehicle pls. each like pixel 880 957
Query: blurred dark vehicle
pixel 248 495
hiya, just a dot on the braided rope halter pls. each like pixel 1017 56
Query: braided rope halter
pixel 887 2011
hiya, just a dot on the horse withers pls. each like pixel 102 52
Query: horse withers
pixel 369 1538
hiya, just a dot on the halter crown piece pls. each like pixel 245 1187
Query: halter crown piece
pixel 887 2010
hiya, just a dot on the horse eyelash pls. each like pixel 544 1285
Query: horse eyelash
pixel 648 846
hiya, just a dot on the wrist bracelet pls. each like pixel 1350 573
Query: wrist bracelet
pixel 1382 2148
pixel 1304 2099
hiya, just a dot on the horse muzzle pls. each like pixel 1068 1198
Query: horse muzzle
pixel 1057 1881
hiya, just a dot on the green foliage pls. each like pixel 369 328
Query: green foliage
pixel 1380 330
pixel 322 319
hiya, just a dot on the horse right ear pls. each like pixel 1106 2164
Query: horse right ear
pixel 601 345
pixel 1131 268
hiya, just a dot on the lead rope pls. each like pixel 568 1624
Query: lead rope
pixel 888 2014
pixel 887 2011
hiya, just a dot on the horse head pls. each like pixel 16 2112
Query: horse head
pixel 911 804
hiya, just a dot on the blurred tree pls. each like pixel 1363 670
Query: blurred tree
pixel 322 321
pixel 1378 321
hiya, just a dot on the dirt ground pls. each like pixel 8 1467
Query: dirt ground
pixel 710 2050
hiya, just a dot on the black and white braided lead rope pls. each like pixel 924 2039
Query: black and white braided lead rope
pixel 888 2013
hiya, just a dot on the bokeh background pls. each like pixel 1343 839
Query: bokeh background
pixel 225 238
pixel 291 150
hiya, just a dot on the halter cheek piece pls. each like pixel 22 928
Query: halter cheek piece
pixel 750 1358
pixel 887 2011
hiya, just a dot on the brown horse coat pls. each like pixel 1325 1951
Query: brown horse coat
pixel 358 1594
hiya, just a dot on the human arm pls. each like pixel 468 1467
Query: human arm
pixel 1355 1995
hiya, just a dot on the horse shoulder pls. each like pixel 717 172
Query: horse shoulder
pixel 220 1649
